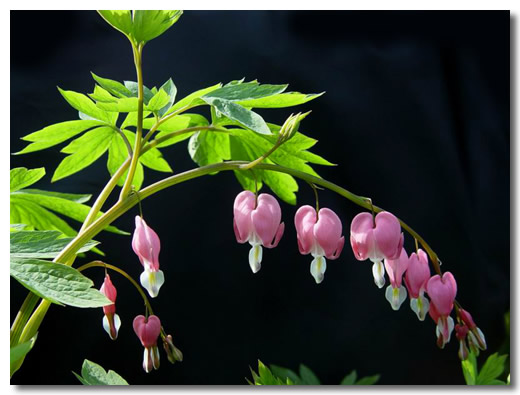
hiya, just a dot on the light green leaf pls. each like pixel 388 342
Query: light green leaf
pixel 126 104
pixel 86 106
pixel 56 134
pixel 118 19
pixel 94 374
pixel 36 217
pixel 114 87
pixel 131 119
pixel 245 91
pixel 308 377
pixel 73 197
pixel 41 244
pixel 84 151
pixel 18 353
pixel 21 177
pixel 206 147
pixel 469 369
pixel 153 159
pixel 149 24
pixel 369 380
pixel 192 97
pixel 102 95
pixel 282 100
pixel 235 112
pixel 133 87
pixel 349 379
pixel 285 373
pixel 117 154
pixel 492 369
pixel 57 283
pixel 62 206
pixel 158 101
pixel 170 88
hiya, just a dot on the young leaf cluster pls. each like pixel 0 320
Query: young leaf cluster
pixel 94 374
pixel 489 373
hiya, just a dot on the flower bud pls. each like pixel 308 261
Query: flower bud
pixel 290 126
pixel 173 353
pixel 460 333
pixel 479 339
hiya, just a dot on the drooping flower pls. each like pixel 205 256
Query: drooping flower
pixel 460 333
pixel 376 239
pixel 148 330
pixel 475 334
pixel 395 292
pixel 320 235
pixel 257 221
pixel 111 321
pixel 146 245
pixel 442 292
pixel 416 276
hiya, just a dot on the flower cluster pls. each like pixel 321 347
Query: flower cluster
pixel 378 238
pixel 257 221
pixel 146 244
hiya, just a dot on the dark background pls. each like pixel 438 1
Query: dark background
pixel 416 114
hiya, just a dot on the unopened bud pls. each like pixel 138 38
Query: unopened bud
pixel 173 353
pixel 473 344
pixel 463 350
pixel 466 317
pixel 479 337
pixel 290 126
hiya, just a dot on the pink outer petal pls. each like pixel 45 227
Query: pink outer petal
pixel 146 244
pixel 434 314
pixel 278 236
pixel 362 236
pixel 327 231
pixel 304 221
pixel 147 331
pixel 339 248
pixel 242 208
pixel 418 273
pixel 110 292
pixel 442 292
pixel 396 268
pixel 266 218
pixel 388 236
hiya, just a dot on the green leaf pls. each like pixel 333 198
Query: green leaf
pixel 57 283
pixel 244 92
pixel 118 19
pixel 282 184
pixel 84 151
pixel 368 380
pixel 243 116
pixel 308 377
pixel 282 100
pixel 73 197
pixel 153 159
pixel 131 119
pixel 102 95
pixel 86 106
pixel 21 177
pixel 349 379
pixel 469 369
pixel 60 203
pixel 94 374
pixel 170 88
pixel 492 369
pixel 149 24
pixel 285 373
pixel 114 87
pixel 18 353
pixel 56 134
pixel 192 98
pixel 158 101
pixel 133 87
pixel 126 104
pixel 206 147
pixel 117 154
pixel 41 244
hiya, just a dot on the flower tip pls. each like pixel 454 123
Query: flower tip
pixel 152 281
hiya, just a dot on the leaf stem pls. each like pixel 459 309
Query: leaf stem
pixel 124 274
pixel 139 132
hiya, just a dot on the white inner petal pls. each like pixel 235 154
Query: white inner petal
pixel 395 296
pixel 255 257
pixel 152 281
pixel 378 271
pixel 318 267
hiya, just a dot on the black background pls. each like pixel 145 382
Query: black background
pixel 416 114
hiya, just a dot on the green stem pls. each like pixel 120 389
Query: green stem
pixel 21 318
pixel 124 205
pixel 139 131
pixel 176 133
pixel 124 274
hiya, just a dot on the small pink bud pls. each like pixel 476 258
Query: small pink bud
pixel 173 353
pixel 376 239
pixel 111 321
pixel 467 318
pixel 477 333
pixel 148 330
pixel 320 235
pixel 257 221
pixel 146 245
pixel 460 332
